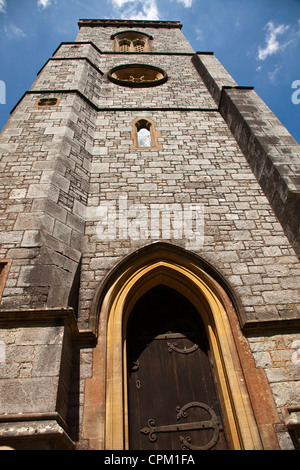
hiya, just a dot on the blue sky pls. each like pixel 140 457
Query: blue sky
pixel 258 41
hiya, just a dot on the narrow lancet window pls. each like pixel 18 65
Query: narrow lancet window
pixel 144 134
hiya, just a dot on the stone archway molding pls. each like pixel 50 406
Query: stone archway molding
pixel 105 412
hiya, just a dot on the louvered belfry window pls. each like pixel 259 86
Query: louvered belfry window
pixel 132 41
pixel 124 45
pixel 139 46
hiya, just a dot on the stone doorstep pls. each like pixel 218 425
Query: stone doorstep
pixel 44 430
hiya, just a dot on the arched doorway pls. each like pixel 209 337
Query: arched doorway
pixel 172 392
pixel 106 413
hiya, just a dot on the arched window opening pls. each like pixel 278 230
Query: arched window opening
pixel 132 41
pixel 124 46
pixel 139 46
pixel 144 134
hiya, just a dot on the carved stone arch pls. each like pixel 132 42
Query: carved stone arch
pixel 132 36
pixel 106 400
pixel 159 250
pixel 133 33
pixel 146 123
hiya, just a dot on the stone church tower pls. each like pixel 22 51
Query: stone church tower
pixel 149 268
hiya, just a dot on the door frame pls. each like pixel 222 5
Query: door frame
pixel 194 283
pixel 243 388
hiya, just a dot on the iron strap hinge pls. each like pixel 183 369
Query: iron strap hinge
pixel 214 423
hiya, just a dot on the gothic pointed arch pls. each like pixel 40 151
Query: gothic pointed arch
pixel 144 134
pixel 161 251
pixel 199 282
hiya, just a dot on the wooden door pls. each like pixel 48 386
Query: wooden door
pixel 172 399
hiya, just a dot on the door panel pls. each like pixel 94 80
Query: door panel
pixel 172 399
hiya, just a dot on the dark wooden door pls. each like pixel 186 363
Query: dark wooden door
pixel 172 399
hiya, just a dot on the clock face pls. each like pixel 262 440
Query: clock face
pixel 137 75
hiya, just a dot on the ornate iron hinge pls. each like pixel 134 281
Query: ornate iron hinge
pixel 173 346
pixel 214 423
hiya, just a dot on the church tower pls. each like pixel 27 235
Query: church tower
pixel 149 268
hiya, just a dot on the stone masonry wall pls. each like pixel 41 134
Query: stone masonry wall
pixel 35 372
pixel 62 166
pixel 45 154
pixel 278 354
pixel 31 367
pixel 199 164
pixel 105 94
pixel 273 154
pixel 166 39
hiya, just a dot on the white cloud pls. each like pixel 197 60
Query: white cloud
pixel 121 3
pixel 186 3
pixel 85 6
pixel 2 6
pixel 273 74
pixel 273 45
pixel 137 9
pixel 199 34
pixel 44 3
pixel 13 32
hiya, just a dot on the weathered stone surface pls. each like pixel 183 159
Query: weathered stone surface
pixel 222 151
